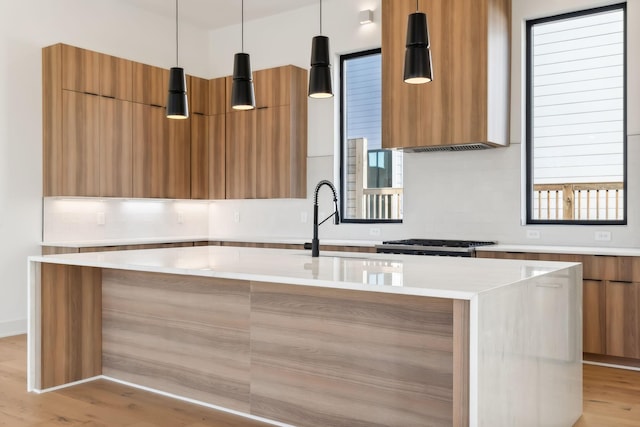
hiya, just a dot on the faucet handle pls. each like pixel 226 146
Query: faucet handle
pixel 307 245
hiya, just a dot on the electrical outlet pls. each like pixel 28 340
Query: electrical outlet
pixel 236 216
pixel 303 217
pixel 374 231
pixel 100 220
pixel 180 217
pixel 533 234
pixel 602 236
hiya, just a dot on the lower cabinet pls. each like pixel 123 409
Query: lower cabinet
pixel 611 302
pixel 622 319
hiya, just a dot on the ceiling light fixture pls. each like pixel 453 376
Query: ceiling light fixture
pixel 320 73
pixel 417 58
pixel 242 93
pixel 177 105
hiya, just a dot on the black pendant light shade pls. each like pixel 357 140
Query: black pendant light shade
pixel 177 105
pixel 320 73
pixel 242 93
pixel 417 58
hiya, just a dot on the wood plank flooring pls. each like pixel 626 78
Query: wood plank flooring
pixel 95 404
pixel 611 399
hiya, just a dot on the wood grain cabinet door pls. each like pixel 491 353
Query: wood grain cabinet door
pixel 149 151
pixel 217 161
pixel 593 317
pixel 178 159
pixel 218 96
pixel 623 317
pixel 116 148
pixel 200 146
pixel 240 153
pixel 80 144
pixel 198 95
pixel 80 70
pixel 273 153
pixel 150 84
pixel 273 87
pixel 116 77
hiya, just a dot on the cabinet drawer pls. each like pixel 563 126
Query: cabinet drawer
pixel 622 268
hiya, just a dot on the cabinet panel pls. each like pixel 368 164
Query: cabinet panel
pixel 178 159
pixel 200 145
pixel 150 84
pixel 273 87
pixel 149 151
pixel 593 318
pixel 80 144
pixel 80 70
pixel 218 96
pixel 622 317
pixel 217 169
pixel 116 148
pixel 198 95
pixel 273 154
pixel 52 121
pixel 240 153
pixel 116 77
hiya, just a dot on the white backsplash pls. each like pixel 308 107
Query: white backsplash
pixel 79 219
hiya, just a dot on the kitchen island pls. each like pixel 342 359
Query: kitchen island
pixel 339 340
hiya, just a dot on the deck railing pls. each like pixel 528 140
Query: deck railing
pixel 584 201
pixel 382 203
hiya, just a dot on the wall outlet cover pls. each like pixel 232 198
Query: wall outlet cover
pixel 533 234
pixel 602 236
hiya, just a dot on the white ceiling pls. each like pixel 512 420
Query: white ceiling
pixel 212 14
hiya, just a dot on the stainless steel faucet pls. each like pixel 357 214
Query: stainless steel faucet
pixel 315 243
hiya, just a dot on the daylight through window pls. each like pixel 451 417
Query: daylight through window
pixel 576 113
pixel 371 176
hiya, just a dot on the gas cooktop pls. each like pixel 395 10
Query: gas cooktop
pixel 463 248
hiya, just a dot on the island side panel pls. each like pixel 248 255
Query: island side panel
pixel 333 357
pixel 530 340
pixel 461 347
pixel 184 335
pixel 71 324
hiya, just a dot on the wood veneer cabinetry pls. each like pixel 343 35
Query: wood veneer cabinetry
pixel 266 149
pixel 611 303
pixel 468 100
pixel 150 84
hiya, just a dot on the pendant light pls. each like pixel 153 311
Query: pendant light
pixel 417 58
pixel 177 105
pixel 320 73
pixel 242 94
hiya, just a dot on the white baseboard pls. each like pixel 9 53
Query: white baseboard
pixel 10 328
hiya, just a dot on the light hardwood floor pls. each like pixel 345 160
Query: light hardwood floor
pixel 611 399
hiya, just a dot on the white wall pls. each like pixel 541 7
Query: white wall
pixel 469 195
pixel 26 26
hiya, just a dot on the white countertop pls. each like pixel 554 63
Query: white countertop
pixel 580 250
pixel 445 277
pixel 143 241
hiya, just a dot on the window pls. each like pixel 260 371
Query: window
pixel 371 178
pixel 576 118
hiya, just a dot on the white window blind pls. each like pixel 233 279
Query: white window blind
pixel 578 99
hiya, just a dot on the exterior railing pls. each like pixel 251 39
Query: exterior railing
pixel 583 201
pixel 382 203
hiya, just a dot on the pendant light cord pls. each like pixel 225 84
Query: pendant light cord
pixel 242 25
pixel 320 17
pixel 177 62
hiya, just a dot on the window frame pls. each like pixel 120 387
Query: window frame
pixel 529 122
pixel 343 142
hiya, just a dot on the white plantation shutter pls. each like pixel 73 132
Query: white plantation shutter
pixel 577 99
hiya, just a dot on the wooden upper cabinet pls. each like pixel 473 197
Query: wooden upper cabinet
pixel 116 77
pixel 161 154
pixel 150 84
pixel 468 100
pixel 116 148
pixel 80 70
pixel 240 154
pixel 80 144
pixel 273 86
pixel 218 96
pixel 198 95
pixel 217 160
pixel 200 145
